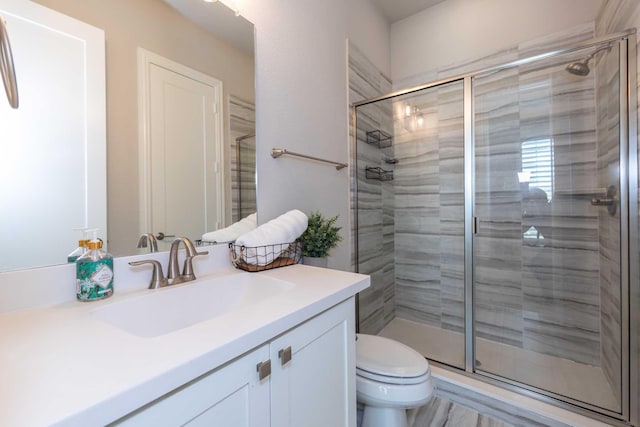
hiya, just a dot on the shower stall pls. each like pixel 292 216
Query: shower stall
pixel 244 177
pixel 497 212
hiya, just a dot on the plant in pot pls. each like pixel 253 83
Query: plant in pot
pixel 319 238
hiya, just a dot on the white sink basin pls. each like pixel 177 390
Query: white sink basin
pixel 171 308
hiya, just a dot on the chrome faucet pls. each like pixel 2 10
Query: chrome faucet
pixel 173 272
pixel 152 242
pixel 174 276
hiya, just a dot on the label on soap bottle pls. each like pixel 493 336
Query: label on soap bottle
pixel 94 279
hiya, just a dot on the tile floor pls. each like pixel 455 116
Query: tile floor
pixel 443 413
pixel 440 412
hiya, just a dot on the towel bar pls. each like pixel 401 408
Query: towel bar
pixel 277 152
pixel 7 71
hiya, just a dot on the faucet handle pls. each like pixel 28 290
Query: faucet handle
pixel 187 268
pixel 157 278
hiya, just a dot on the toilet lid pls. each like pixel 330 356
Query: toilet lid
pixel 387 357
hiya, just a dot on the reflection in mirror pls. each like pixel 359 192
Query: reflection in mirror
pixel 243 158
pixel 155 26
pixel 52 167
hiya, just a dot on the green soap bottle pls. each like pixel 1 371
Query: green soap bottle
pixel 94 273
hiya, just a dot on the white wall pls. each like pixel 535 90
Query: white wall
pixel 301 99
pixel 370 31
pixel 456 30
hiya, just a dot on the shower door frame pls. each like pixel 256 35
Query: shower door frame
pixel 630 269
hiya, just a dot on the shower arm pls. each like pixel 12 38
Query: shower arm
pixel 7 69
pixel 595 52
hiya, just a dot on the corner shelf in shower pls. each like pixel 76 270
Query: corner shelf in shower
pixel 378 173
pixel 379 138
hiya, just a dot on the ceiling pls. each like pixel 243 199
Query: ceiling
pixel 218 19
pixel 396 10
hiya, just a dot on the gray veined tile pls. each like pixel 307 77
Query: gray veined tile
pixel 440 412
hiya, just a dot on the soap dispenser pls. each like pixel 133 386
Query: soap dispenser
pixel 94 272
pixel 82 245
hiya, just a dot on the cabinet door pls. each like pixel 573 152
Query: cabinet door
pixel 232 395
pixel 317 386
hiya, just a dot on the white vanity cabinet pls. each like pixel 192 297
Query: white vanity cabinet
pixel 311 382
pixel 316 387
pixel 232 395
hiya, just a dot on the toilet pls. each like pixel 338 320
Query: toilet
pixel 390 378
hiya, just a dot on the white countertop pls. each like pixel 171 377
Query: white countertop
pixel 61 366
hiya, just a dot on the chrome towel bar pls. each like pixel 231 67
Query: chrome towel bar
pixel 277 152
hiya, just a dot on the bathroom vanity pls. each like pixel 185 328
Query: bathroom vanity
pixel 279 356
pixel 301 378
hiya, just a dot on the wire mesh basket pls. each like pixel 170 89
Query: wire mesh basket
pixel 267 257
pixel 379 138
pixel 378 173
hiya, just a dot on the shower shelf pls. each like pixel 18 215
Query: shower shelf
pixel 378 173
pixel 379 138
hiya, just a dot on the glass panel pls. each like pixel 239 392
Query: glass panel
pixel 411 220
pixel 546 256
pixel 242 130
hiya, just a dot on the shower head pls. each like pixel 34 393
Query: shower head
pixel 581 68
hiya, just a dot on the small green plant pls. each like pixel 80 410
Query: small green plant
pixel 320 236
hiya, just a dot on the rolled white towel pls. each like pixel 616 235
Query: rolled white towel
pixel 231 233
pixel 275 234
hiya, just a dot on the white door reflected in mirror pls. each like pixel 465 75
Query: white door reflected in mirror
pixel 182 151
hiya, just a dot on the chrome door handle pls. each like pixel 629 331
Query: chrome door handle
pixel 161 235
pixel 264 369
pixel 285 355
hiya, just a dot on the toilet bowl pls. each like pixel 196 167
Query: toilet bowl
pixel 390 378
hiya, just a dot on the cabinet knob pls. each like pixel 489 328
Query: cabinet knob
pixel 285 355
pixel 264 369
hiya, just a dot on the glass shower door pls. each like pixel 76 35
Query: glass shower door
pixel 410 213
pixel 547 250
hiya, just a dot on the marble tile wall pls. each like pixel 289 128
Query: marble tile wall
pixel 608 118
pixel 242 122
pixel 429 207
pixel 375 216
pixel 560 273
pixel 617 15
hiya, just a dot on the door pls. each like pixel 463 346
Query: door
pixel 550 209
pixel 233 395
pixel 183 160
pixel 313 380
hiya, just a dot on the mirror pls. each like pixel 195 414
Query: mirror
pixel 205 37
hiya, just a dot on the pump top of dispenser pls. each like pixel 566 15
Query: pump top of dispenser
pixel 94 244
pixel 82 245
